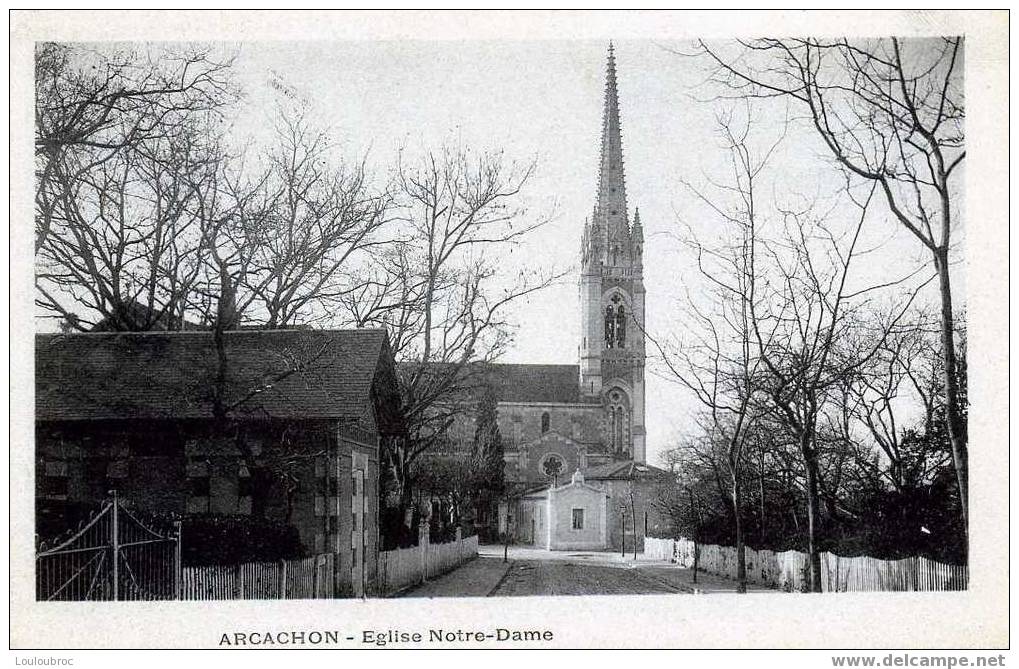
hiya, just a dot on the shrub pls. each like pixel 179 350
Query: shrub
pixel 209 539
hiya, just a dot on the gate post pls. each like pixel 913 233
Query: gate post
pixel 116 549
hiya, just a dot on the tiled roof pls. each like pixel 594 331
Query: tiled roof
pixel 535 383
pixel 515 382
pixel 270 374
pixel 623 469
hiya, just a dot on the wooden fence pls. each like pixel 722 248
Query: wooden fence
pixel 307 578
pixel 313 577
pixel 789 570
pixel 404 567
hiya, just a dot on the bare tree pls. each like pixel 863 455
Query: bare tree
pixel 123 247
pixel 92 104
pixel 289 233
pixel 441 295
pixel 904 369
pixel 816 317
pixel 720 365
pixel 891 112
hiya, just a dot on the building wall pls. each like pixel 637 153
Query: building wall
pixel 529 522
pixel 175 468
pixel 561 504
pixel 644 495
pixel 575 432
pixel 521 423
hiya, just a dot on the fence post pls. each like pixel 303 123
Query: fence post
pixel 459 546
pixel 314 577
pixel 178 566
pixel 116 550
pixel 423 541
pixel 283 579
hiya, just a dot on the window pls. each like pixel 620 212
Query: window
pixel 199 486
pixel 244 487
pixel 326 486
pixel 545 420
pixel 553 466
pixel 610 326
pixel 56 486
pixel 618 426
pixel 578 519
pixel 116 475
pixel 621 327
pixel 56 482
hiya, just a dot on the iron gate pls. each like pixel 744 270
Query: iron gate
pixel 114 556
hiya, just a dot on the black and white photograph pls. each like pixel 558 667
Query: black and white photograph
pixel 683 319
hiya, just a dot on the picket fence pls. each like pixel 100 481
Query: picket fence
pixel 313 577
pixel 307 578
pixel 789 570
pixel 404 567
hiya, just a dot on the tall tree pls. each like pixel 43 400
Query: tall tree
pixel 720 366
pixel 891 113
pixel 488 449
pixel 444 298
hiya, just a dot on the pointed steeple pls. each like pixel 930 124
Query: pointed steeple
pixel 611 206
pixel 637 238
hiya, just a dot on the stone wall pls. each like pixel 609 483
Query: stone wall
pixel 521 423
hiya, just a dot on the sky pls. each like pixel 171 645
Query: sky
pixel 543 101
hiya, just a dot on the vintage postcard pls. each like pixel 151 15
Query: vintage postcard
pixel 509 330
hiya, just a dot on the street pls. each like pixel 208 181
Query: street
pixel 537 572
pixel 562 577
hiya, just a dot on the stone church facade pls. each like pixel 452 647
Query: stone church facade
pixel 556 420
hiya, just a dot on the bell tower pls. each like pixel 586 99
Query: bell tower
pixel 612 294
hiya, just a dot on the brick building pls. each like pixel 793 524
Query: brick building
pixel 284 425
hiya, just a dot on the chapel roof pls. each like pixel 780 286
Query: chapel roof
pixel 623 469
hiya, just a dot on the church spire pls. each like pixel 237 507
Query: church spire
pixel 611 206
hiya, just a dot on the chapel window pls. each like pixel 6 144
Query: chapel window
pixel 545 420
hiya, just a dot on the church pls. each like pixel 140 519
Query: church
pixel 574 436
